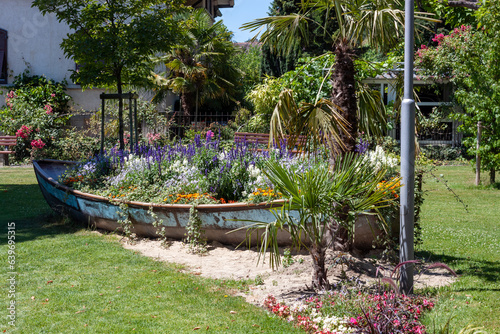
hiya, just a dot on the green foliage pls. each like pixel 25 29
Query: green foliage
pixel 315 199
pixel 248 61
pixel 112 41
pixel 157 123
pixel 37 113
pixel 318 41
pixel 199 66
pixel 470 59
pixel 194 232
pixel 452 16
pixel 109 40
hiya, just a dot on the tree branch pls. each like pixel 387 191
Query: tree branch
pixel 472 4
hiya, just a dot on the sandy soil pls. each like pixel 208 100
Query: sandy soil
pixel 226 262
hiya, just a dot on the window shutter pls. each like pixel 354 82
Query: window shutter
pixel 3 56
pixel 1 64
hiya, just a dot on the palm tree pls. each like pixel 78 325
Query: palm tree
pixel 375 23
pixel 198 68
pixel 317 198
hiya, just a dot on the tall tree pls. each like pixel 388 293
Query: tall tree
pixel 199 67
pixel 113 40
pixel 378 24
pixel 470 59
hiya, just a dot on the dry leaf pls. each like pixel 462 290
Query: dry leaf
pixel 196 328
pixel 48 282
pixel 233 312
pixel 32 297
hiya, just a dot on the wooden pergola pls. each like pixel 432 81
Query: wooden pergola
pixel 134 135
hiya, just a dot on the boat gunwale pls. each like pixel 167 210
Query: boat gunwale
pixel 204 207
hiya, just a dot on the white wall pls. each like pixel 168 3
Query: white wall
pixel 33 40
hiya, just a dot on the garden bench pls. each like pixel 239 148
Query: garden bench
pixel 5 143
pixel 263 139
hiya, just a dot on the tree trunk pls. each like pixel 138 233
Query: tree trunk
pixel 344 91
pixel 320 280
pixel 492 175
pixel 120 112
pixel 187 104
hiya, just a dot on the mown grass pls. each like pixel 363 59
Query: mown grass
pixel 71 280
pixel 468 241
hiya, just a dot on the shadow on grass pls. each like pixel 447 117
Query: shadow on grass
pixel 43 226
pixel 24 205
pixel 487 271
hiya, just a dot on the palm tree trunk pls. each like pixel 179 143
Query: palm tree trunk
pixel 187 102
pixel 344 90
pixel 320 280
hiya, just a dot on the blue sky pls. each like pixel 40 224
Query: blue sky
pixel 243 11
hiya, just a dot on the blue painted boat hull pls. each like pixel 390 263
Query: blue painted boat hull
pixel 99 212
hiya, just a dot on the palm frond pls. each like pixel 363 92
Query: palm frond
pixel 371 111
pixel 320 122
pixel 281 33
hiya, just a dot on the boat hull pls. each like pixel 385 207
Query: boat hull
pixel 100 212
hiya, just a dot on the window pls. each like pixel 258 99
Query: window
pixel 3 56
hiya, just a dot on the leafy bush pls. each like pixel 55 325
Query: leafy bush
pixel 37 113
pixel 443 152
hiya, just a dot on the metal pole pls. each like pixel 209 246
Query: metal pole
pixel 131 122
pixel 102 125
pixel 406 252
pixel 135 122
pixel 478 155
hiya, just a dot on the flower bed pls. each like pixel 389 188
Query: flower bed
pixel 354 311
pixel 203 172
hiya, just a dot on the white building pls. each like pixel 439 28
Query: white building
pixel 30 40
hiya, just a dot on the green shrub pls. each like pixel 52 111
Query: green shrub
pixel 36 112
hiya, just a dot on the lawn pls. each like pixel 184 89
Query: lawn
pixel 72 280
pixel 469 241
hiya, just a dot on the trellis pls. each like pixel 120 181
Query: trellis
pixel 134 133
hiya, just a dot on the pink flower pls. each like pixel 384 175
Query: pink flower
pixel 53 95
pixel 210 135
pixel 48 109
pixel 354 321
pixel 423 47
pixel 153 137
pixel 24 131
pixel 438 38
pixel 11 94
pixel 37 143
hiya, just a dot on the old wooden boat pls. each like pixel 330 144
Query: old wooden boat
pixel 103 213
pixel 217 220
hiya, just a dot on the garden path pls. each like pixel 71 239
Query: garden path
pixel 226 262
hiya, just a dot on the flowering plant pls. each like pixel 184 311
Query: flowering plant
pixel 354 311
pixel 36 112
pixel 201 170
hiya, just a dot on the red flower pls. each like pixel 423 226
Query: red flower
pixel 37 143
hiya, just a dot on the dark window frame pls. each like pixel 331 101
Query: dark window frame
pixel 3 56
